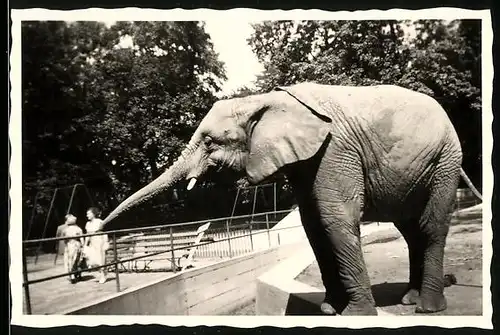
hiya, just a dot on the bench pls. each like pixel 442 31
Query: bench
pixel 160 246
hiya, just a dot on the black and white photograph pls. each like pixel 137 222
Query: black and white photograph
pixel 251 167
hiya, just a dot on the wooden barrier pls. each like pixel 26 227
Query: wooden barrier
pixel 215 289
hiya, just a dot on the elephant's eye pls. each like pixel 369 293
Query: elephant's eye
pixel 208 141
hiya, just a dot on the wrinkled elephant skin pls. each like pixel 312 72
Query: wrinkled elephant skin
pixel 379 153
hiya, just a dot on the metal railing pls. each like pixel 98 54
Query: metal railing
pixel 235 237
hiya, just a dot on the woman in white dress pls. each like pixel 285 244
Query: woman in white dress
pixel 95 246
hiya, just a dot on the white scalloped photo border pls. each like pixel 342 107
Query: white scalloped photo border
pixel 138 14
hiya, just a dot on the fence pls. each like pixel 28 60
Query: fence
pixel 465 198
pixel 225 238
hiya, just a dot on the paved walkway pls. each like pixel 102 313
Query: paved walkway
pixel 57 295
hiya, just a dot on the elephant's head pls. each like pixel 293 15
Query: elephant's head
pixel 256 135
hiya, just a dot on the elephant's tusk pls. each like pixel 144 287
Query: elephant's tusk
pixel 191 184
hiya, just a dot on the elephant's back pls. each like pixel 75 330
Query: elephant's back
pixel 400 111
pixel 371 100
pixel 381 110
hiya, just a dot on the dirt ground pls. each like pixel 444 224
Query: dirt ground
pixel 386 256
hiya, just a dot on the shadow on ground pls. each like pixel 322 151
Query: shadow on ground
pixel 388 294
pixel 304 303
pixel 308 303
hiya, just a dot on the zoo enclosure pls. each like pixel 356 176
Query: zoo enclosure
pixel 45 212
pixel 225 238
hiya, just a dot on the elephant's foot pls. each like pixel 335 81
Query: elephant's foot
pixel 360 305
pixel 334 301
pixel 431 303
pixel 411 297
pixel 327 308
pixel 359 310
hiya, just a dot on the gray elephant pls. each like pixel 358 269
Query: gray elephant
pixel 373 153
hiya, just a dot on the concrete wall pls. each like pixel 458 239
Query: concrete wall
pixel 211 290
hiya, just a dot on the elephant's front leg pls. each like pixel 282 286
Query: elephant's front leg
pixel 335 298
pixel 339 194
pixel 342 232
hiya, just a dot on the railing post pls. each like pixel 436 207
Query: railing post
pixel 274 200
pixel 115 257
pixel 267 228
pixel 46 223
pixel 251 239
pixel 174 266
pixel 26 285
pixel 229 239
pixel 71 198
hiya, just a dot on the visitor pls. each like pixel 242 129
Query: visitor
pixel 60 244
pixel 72 246
pixel 95 247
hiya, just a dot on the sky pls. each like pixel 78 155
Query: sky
pixel 230 43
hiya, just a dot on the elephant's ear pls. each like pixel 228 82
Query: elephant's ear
pixel 280 137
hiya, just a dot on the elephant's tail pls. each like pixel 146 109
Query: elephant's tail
pixel 469 183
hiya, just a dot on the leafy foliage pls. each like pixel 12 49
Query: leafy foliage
pixel 442 59
pixel 111 106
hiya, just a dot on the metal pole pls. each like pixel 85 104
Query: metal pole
pixel 174 269
pixel 267 228
pixel 26 286
pixel 251 239
pixel 229 239
pixel 46 223
pixel 117 273
pixel 254 200
pixel 274 200
pixel 235 202
pixel 32 216
pixel 253 213
pixel 88 194
pixel 71 198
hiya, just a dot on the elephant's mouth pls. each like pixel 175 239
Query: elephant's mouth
pixel 219 174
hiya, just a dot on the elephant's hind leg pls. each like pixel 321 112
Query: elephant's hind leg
pixel 434 225
pixel 413 237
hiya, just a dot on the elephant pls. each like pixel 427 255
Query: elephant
pixel 351 154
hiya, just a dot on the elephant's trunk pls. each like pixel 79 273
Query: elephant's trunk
pixel 173 174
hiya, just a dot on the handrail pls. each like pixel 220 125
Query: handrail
pixel 130 230
pixel 114 233
pixel 34 281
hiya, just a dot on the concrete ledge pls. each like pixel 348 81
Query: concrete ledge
pixel 278 293
pixel 214 289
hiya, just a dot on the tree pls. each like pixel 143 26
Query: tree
pixel 156 91
pixel 111 106
pixel 442 60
